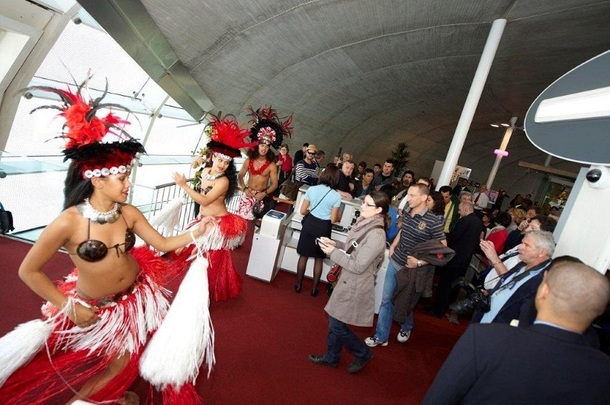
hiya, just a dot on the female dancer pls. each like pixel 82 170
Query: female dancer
pixel 97 321
pixel 353 299
pixel 186 337
pixel 320 208
pixel 218 184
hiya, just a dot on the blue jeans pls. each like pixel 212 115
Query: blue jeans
pixel 386 309
pixel 340 335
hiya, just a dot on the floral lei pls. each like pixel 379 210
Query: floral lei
pixel 260 170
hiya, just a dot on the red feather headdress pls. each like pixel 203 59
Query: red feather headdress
pixel 84 132
pixel 226 137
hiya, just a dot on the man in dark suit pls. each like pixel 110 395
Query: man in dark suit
pixel 461 186
pixel 464 240
pixel 547 363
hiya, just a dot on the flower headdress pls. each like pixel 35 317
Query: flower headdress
pixel 226 137
pixel 84 132
pixel 267 127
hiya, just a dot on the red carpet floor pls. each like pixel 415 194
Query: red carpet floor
pixel 263 338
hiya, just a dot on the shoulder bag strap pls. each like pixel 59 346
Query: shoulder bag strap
pixel 355 243
pixel 320 201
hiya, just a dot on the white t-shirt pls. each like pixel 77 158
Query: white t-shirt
pixel 481 200
pixel 492 277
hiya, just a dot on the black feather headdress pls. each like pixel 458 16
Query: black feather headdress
pixel 267 126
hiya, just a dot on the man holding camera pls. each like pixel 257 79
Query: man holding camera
pixel 520 282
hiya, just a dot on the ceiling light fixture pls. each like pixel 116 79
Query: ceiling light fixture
pixel 577 106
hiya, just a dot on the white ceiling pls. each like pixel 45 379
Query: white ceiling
pixel 366 74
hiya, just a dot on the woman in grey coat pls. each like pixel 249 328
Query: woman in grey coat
pixel 353 298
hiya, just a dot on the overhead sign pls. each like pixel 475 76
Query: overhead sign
pixel 571 118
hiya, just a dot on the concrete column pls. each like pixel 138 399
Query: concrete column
pixel 476 89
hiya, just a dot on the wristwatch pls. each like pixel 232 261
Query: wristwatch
pixel 419 263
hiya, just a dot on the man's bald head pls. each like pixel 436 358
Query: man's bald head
pixel 572 295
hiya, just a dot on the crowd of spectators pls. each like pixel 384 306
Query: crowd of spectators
pixel 510 239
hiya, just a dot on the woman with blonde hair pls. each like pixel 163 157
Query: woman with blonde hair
pixel 517 215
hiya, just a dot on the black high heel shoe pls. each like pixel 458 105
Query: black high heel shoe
pixel 314 292
pixel 297 288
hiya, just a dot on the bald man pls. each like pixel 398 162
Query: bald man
pixel 548 362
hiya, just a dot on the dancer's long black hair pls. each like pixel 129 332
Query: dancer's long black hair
pixel 231 174
pixel 76 189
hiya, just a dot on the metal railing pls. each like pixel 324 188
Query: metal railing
pixel 164 194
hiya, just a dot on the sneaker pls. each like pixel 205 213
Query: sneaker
pixel 373 341
pixel 403 336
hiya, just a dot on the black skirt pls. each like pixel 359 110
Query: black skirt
pixel 313 228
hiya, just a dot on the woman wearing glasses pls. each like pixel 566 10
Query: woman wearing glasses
pixel 320 208
pixel 353 298
pixel 284 164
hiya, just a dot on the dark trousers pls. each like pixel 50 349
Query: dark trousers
pixel 340 335
pixel 445 295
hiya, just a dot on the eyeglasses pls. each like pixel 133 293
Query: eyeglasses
pixel 368 205
pixel 311 153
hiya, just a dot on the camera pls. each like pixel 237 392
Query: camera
pixel 598 177
pixel 475 300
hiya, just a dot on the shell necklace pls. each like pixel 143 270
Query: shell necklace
pixel 210 177
pixel 87 211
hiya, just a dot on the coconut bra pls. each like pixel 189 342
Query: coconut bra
pixel 93 250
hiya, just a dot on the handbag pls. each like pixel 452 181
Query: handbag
pixel 6 220
pixel 333 273
pixel 290 189
pixel 335 270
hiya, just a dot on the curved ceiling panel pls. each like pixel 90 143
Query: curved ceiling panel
pixel 365 75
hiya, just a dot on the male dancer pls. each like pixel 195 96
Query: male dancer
pixel 260 167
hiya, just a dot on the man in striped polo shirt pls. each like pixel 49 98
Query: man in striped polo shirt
pixel 306 169
pixel 418 225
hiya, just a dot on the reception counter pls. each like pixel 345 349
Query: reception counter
pixel 274 245
pixel 289 255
